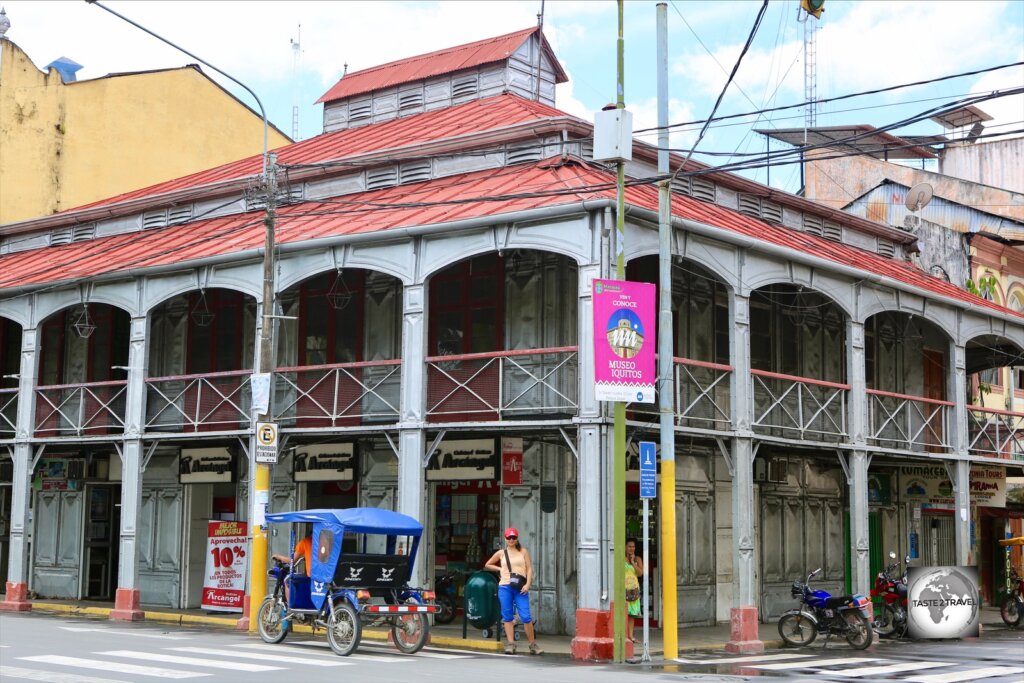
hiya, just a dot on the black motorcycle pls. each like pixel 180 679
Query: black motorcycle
pixel 845 616
pixel 446 589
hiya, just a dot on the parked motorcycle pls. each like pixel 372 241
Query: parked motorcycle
pixel 892 615
pixel 1012 609
pixel 447 590
pixel 844 616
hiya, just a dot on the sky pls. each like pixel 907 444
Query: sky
pixel 860 46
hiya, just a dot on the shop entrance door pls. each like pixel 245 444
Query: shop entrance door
pixel 102 526
pixel 159 545
pixel 57 544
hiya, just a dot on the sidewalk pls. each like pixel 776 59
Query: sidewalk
pixel 698 638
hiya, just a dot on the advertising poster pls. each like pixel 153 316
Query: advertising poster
pixel 511 461
pixel 226 566
pixel 624 344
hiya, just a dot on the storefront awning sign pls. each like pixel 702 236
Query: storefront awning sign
pixel 624 341
pixel 464 459
pixel 325 462
pixel 206 466
pixel 930 487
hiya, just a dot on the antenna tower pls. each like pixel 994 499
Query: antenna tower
pixel 810 75
pixel 296 49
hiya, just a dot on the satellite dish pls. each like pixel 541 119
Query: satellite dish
pixel 918 197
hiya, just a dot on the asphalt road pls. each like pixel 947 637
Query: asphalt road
pixel 74 650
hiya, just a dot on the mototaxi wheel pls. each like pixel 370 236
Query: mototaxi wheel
pixel 1012 610
pixel 797 629
pixel 268 620
pixel 859 633
pixel 343 628
pixel 445 613
pixel 409 631
pixel 885 624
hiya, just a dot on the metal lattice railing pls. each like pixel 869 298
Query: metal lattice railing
pixel 995 433
pixel 702 395
pixel 203 402
pixel 913 423
pixel 338 394
pixel 799 407
pixel 77 409
pixel 504 384
pixel 8 413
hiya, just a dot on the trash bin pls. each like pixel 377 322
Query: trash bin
pixel 481 600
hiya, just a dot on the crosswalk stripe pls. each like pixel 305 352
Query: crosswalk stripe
pixel 740 660
pixel 275 657
pixel 888 669
pixel 123 632
pixel 968 674
pixel 811 663
pixel 383 653
pixel 8 672
pixel 119 667
pixel 318 649
pixel 192 661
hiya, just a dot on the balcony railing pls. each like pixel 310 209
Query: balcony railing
pixel 213 401
pixel 995 433
pixel 530 383
pixel 8 413
pixel 90 409
pixel 905 422
pixel 799 407
pixel 702 395
pixel 342 394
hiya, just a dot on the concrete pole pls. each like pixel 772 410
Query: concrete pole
pixel 958 440
pixel 412 409
pixel 856 426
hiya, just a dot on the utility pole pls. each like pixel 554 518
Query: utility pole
pixel 666 385
pixel 619 460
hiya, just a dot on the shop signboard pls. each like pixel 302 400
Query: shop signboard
pixel 325 462
pixel 224 580
pixel 464 460
pixel 511 461
pixel 624 343
pixel 929 486
pixel 988 486
pixel 206 466
pixel 59 474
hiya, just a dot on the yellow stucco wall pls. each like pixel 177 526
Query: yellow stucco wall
pixel 64 145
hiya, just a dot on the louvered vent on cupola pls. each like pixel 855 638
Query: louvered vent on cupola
pixel 83 233
pixel 464 87
pixel 681 185
pixel 813 225
pixel 61 236
pixel 832 231
pixel 381 177
pixel 360 111
pixel 410 100
pixel 749 204
pixel 177 215
pixel 885 247
pixel 521 155
pixel 154 219
pixel 256 201
pixel 702 189
pixel 771 212
pixel 415 172
pixel 587 150
pixel 290 194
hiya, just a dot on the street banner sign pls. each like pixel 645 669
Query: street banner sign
pixel 624 343
pixel 224 581
pixel 648 470
pixel 266 443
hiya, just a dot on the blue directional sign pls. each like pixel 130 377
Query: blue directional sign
pixel 648 470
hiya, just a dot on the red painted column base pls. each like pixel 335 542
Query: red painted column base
pixel 16 599
pixel 595 637
pixel 743 635
pixel 243 622
pixel 126 605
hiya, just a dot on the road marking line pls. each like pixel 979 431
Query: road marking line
pixel 807 664
pixel 274 657
pixel 384 657
pixel 740 660
pixel 889 669
pixel 114 666
pixel 193 661
pixel 968 674
pixel 123 632
pixel 7 672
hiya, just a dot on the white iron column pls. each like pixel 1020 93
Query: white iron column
pixel 958 441
pixel 856 426
pixel 17 568
pixel 412 436
pixel 743 633
pixel 126 603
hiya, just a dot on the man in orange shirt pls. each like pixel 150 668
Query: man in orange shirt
pixel 303 552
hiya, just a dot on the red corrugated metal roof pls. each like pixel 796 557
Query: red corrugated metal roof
pixel 436 63
pixel 478 116
pixel 482 193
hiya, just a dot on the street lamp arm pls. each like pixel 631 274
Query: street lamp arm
pixel 263 112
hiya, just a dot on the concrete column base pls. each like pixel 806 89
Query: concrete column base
pixel 743 635
pixel 126 605
pixel 595 637
pixel 16 599
pixel 243 622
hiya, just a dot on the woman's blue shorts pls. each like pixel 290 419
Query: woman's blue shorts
pixel 509 597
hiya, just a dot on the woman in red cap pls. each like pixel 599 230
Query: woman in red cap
pixel 513 566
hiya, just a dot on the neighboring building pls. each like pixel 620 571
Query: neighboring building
pixel 64 143
pixel 434 281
